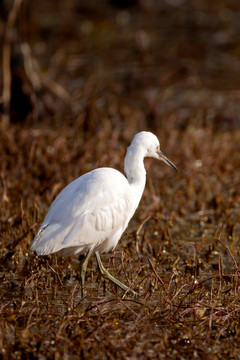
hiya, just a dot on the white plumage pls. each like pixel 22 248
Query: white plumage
pixel 91 213
pixel 87 214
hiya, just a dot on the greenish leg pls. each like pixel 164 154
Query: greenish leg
pixel 108 276
pixel 84 268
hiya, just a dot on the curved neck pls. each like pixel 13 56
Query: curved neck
pixel 136 173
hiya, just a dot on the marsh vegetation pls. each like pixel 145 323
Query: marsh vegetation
pixel 84 79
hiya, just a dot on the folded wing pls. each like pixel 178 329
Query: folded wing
pixel 90 211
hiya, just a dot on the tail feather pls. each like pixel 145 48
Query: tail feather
pixel 49 238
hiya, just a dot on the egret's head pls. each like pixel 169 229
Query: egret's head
pixel 150 145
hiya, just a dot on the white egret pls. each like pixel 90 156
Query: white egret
pixel 91 213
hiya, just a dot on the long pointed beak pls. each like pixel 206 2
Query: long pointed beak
pixel 166 160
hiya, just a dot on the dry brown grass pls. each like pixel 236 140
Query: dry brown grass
pixel 181 250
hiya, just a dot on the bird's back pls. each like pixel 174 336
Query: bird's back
pixel 89 213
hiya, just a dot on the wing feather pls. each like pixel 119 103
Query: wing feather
pixel 87 212
pixel 112 215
